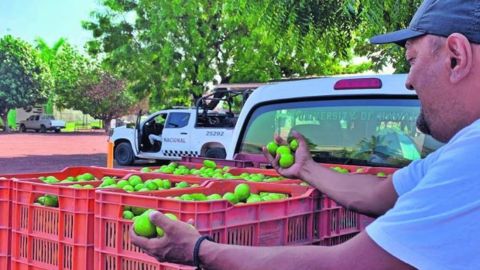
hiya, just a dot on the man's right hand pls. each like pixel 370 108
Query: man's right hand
pixel 302 158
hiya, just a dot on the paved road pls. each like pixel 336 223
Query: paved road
pixel 34 152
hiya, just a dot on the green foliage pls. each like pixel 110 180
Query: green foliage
pixel 172 50
pixel 24 79
pixel 68 66
pixel 379 17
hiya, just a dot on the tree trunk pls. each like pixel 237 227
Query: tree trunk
pixel 106 124
pixel 6 128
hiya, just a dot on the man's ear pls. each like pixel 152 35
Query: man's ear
pixel 460 53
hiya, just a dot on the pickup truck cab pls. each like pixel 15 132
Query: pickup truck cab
pixel 202 131
pixel 41 123
pixel 358 120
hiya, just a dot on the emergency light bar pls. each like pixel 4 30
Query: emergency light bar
pixel 361 83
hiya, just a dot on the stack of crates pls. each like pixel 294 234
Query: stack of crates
pixel 88 231
pixel 5 222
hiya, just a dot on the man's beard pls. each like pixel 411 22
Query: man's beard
pixel 422 124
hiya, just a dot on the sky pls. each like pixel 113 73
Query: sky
pixel 48 19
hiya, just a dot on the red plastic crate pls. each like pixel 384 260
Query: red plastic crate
pixel 52 237
pixel 332 220
pixel 98 172
pixel 283 222
pixel 5 222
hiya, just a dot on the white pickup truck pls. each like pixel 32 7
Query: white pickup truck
pixel 357 120
pixel 42 123
pixel 171 134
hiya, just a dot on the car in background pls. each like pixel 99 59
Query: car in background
pixel 42 123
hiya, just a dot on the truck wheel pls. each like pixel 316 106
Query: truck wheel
pixel 57 130
pixel 23 128
pixel 124 154
pixel 43 129
pixel 216 152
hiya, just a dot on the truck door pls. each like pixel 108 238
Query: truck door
pixel 177 135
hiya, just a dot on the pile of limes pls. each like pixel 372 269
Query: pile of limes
pixel 241 194
pixel 47 200
pixel 210 170
pixel 286 152
pixel 136 183
pixel 85 177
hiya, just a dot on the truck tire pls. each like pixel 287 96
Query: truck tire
pixel 23 128
pixel 57 130
pixel 216 152
pixel 124 154
pixel 43 129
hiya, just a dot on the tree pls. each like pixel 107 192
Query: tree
pixel 378 17
pixel 48 55
pixel 103 97
pixel 68 68
pixel 24 79
pixel 175 49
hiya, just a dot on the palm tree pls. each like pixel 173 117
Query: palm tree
pixel 48 55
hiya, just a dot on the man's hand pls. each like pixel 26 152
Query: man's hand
pixel 175 246
pixel 302 157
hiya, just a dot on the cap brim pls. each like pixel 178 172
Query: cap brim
pixel 399 37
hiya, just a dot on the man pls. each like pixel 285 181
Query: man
pixel 428 210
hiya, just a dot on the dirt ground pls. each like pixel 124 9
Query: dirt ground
pixel 34 152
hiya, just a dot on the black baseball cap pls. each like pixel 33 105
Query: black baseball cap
pixel 440 18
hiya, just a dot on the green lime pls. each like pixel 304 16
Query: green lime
pixel 108 181
pixel 145 169
pixel 88 186
pixel 127 214
pixel 142 226
pixel 138 187
pixel 135 180
pixel 151 185
pixel 158 182
pixel 209 163
pixel 283 150
pixel 231 197
pixel 294 144
pixel 253 198
pixel 214 196
pixel 128 188
pixel 242 191
pixel 182 184
pixel 122 183
pixel 50 201
pixel 166 184
pixel 381 174
pixel 272 148
pixel 286 160
pixel 137 211
pixel 186 197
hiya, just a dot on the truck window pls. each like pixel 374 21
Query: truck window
pixel 177 120
pixel 372 132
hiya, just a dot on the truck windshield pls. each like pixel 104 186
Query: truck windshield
pixel 372 132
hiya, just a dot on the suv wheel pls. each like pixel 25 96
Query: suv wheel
pixel 23 128
pixel 216 152
pixel 43 129
pixel 124 154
